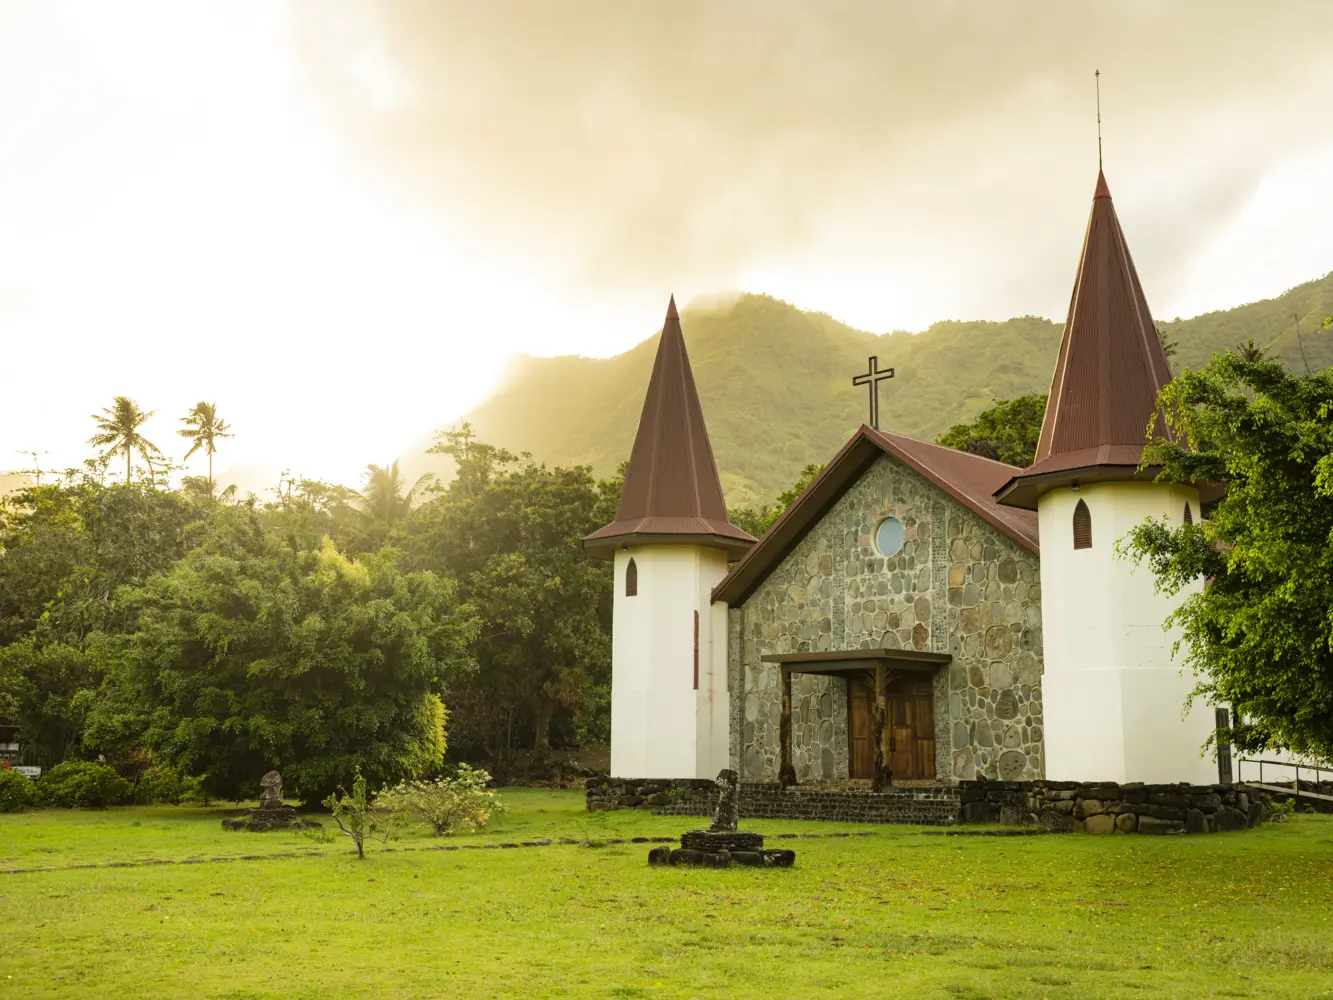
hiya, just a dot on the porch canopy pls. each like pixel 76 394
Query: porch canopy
pixel 849 661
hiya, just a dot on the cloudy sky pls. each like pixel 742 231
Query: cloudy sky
pixel 337 219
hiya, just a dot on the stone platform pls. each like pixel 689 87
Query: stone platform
pixel 712 841
pixel 262 820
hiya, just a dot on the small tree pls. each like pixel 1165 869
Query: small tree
pixel 449 805
pixel 357 818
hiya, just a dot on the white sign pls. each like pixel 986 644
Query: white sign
pixel 29 772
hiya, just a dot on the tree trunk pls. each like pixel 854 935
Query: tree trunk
pixel 127 467
pixel 210 475
pixel 541 742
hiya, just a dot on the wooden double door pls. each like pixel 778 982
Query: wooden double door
pixel 909 719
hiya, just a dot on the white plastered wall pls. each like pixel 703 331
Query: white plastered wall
pixel 1113 696
pixel 661 725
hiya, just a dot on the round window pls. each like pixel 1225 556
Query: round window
pixel 889 536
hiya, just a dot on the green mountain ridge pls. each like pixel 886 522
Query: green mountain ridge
pixel 775 381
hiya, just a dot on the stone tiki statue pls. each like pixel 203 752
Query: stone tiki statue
pixel 728 802
pixel 270 795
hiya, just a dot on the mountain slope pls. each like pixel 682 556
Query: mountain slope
pixel 775 382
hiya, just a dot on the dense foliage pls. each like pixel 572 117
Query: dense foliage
pixel 86 784
pixel 1260 631
pixel 1006 432
pixel 16 791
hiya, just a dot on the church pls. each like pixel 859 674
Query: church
pixel 919 615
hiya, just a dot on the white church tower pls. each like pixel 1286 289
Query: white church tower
pixel 671 543
pixel 1112 695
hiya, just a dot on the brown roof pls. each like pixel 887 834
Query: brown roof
pixel 969 479
pixel 1110 368
pixel 672 493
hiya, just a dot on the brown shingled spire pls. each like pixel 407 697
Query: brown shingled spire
pixel 672 493
pixel 1110 368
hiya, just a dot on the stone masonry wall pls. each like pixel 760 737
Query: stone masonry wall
pixel 957 585
pixel 698 796
pixel 1106 807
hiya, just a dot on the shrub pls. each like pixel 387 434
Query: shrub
pixel 86 784
pixel 160 784
pixel 449 805
pixel 16 791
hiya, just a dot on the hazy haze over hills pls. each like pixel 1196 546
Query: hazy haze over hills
pixel 775 381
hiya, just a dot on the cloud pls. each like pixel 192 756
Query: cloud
pixel 658 144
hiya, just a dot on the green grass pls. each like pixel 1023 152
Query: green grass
pixel 896 914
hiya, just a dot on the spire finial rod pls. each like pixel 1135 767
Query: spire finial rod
pixel 1097 81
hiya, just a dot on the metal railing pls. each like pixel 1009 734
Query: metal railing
pixel 1296 785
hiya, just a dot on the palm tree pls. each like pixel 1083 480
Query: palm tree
pixel 383 499
pixel 118 430
pixel 203 426
pixel 1250 351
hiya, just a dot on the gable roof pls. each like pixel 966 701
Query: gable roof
pixel 1110 368
pixel 969 479
pixel 672 493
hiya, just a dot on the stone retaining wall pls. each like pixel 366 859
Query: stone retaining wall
pixel 933 806
pixel 1106 807
pixel 695 796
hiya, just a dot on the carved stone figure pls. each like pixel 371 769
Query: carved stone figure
pixel 270 796
pixel 727 816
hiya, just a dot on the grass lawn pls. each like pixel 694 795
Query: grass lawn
pixel 899 914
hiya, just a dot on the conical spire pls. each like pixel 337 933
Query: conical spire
pixel 672 492
pixel 1110 368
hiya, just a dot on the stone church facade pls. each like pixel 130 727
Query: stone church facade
pixel 958 586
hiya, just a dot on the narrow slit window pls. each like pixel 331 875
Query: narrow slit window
pixel 696 651
pixel 631 579
pixel 1189 516
pixel 1082 526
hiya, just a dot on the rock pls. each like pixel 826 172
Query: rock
pixel 657 799
pixel 1196 822
pixel 779 859
pixel 1101 823
pixel 753 762
pixel 1056 822
pixel 1011 763
pixel 684 856
pixel 751 859
pixel 1015 814
pixel 978 812
pixel 1088 807
pixel 1127 822
pixel 1210 802
pixel 1169 799
pixel 719 860
pixel 1229 819
pixel 1006 707
pixel 1255 815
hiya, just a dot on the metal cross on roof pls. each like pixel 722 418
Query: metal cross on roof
pixel 872 378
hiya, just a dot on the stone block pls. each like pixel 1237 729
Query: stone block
pixel 659 856
pixel 978 812
pixel 1127 822
pixel 1228 819
pixel 1102 823
pixel 1195 821
pixel 1174 800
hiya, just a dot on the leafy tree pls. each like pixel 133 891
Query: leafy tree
pixel 1259 634
pixel 1006 432
pixel 203 427
pixel 449 805
pixel 249 654
pixel 757 520
pixel 384 499
pixel 510 532
pixel 118 431
pixel 358 818
pixel 67 550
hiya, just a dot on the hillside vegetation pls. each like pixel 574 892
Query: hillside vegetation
pixel 775 381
